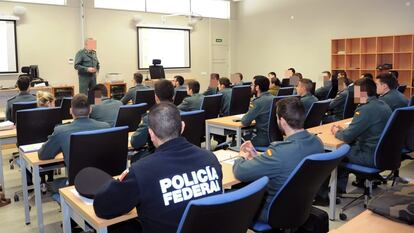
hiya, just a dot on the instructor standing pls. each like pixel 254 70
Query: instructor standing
pixel 87 64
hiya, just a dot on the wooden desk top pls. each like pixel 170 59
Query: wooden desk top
pixel 33 159
pixel 8 133
pixel 324 133
pixel 228 121
pixel 367 221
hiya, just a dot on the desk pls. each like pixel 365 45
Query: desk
pixel 6 137
pixel 73 207
pixel 151 82
pixel 368 221
pixel 331 143
pixel 219 125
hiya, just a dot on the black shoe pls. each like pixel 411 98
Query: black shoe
pixel 320 201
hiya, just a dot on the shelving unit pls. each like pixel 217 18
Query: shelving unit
pixel 362 55
pixel 116 90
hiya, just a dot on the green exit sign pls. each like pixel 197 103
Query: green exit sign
pixel 219 40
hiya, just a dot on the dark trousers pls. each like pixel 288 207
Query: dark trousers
pixel 130 226
pixel 86 83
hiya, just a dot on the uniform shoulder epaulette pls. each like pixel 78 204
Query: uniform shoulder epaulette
pixel 277 143
pixel 14 97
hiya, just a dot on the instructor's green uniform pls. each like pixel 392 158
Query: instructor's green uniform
pixel 83 60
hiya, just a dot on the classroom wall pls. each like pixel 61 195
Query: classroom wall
pixel 50 35
pixel 267 39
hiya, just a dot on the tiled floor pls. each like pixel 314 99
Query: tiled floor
pixel 12 216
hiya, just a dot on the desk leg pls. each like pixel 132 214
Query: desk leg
pixel 332 194
pixel 23 169
pixel 66 216
pixel 238 140
pixel 1 171
pixel 38 198
pixel 208 140
pixel 102 230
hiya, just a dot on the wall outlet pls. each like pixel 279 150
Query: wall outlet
pixel 70 61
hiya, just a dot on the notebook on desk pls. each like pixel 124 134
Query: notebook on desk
pixel 6 125
pixel 31 147
pixel 223 155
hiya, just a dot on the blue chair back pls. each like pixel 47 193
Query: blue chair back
pixel 401 88
pixel 230 212
pixel 291 205
pixel 211 105
pixel 349 106
pixel 313 88
pixel 392 140
pixel 285 82
pixel 65 105
pixel 35 125
pixel 22 106
pixel 285 91
pixel 145 96
pixel 274 132
pixel 194 126
pixel 411 101
pixel 240 100
pixel 179 97
pixel 316 113
pixel 106 149
pixel 332 93
pixel 130 115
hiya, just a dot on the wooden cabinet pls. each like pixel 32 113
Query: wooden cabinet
pixel 362 55
pixel 116 90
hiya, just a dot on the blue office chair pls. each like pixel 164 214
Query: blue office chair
pixel 130 115
pixel 286 82
pixel 21 106
pixel 402 88
pixel 224 213
pixel 316 113
pixel 349 106
pixel 291 205
pixel 211 105
pixel 145 96
pixel 332 93
pixel 240 100
pixel 411 101
pixel 387 155
pixel 65 105
pixel 180 95
pixel 194 122
pixel 285 91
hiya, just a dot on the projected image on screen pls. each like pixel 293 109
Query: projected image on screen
pixel 8 53
pixel 172 46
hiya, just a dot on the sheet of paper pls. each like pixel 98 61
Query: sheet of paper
pixel 238 117
pixel 348 123
pixel 6 125
pixel 231 161
pixel 85 200
pixel 31 147
pixel 223 155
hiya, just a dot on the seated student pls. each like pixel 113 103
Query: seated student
pixel 23 83
pixel 152 185
pixel 259 111
pixel 45 99
pixel 105 109
pixel 60 139
pixel 193 101
pixel 274 86
pixel 178 83
pixel 213 86
pixel 304 89
pixel 226 90
pixel 237 79
pixel 387 91
pixel 396 74
pixel 366 127
pixel 323 91
pixel 130 95
pixel 281 158
pixel 164 92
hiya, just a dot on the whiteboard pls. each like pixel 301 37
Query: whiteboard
pixel 8 47
pixel 171 45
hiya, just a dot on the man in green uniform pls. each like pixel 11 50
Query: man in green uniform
pixel 366 128
pixel 105 109
pixel 193 102
pixel 237 79
pixel 213 86
pixel 281 158
pixel 130 95
pixel 178 84
pixel 87 65
pixel 226 90
pixel 387 91
pixel 304 89
pixel 23 83
pixel 259 111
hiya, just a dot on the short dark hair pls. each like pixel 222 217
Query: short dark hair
pixel 194 86
pixel 367 85
pixel 180 79
pixel 261 81
pixel 23 83
pixel 395 73
pixel 164 90
pixel 272 73
pixel 225 81
pixel 327 72
pixel 165 120
pixel 308 84
pixel 389 79
pixel 138 77
pixel 292 69
pixel 101 89
pixel 367 75
pixel 214 76
pixel 80 106
pixel 276 81
pixel 240 75
pixel 299 75
pixel 292 110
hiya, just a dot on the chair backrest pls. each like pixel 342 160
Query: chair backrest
pixel 274 132
pixel 332 92
pixel 316 113
pixel 106 149
pixel 401 88
pixel 349 106
pixel 194 126
pixel 130 115
pixel 285 82
pixel 22 106
pixel 313 88
pixel 65 105
pixel 179 97
pixel 292 203
pixel 285 91
pixel 34 125
pixel 145 96
pixel 240 99
pixel 392 140
pixel 411 101
pixel 229 212
pixel 211 105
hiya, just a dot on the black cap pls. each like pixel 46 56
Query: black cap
pixel 90 180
